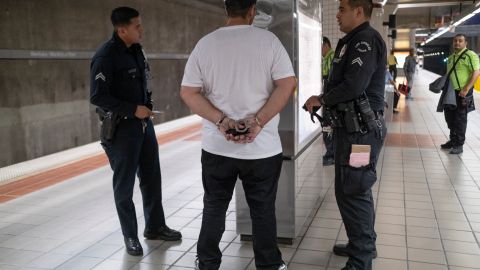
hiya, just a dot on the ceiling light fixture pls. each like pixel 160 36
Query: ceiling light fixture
pixel 443 30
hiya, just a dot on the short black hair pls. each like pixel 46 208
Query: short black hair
pixel 122 15
pixel 326 41
pixel 461 35
pixel 367 6
pixel 238 8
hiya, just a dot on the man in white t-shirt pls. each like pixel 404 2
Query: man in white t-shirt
pixel 238 78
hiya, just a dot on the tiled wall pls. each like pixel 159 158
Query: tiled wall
pixel 330 26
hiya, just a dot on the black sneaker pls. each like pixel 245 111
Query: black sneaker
pixel 447 145
pixel 162 233
pixel 456 150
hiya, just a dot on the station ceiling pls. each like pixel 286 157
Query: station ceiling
pixel 421 16
pixel 425 17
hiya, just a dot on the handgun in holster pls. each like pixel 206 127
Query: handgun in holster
pixel 109 122
pixel 350 116
pixel 150 102
pixel 367 116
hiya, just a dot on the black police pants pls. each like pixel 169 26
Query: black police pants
pixel 354 195
pixel 328 141
pixel 260 180
pixel 133 151
pixel 457 122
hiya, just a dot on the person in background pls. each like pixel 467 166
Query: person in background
pixel 396 95
pixel 327 54
pixel 462 80
pixel 392 64
pixel 409 68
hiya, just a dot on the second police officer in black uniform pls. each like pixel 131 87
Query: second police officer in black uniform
pixel 119 75
pixel 354 95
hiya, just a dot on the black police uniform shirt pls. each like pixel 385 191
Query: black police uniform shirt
pixel 358 66
pixel 118 77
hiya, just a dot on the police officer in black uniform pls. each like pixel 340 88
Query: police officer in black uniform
pixel 119 74
pixel 355 95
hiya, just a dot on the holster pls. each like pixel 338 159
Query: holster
pixel 109 124
pixel 149 101
pixel 332 118
pixel 349 116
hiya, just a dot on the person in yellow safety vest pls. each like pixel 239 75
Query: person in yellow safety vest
pixel 327 54
pixel 462 79
pixel 392 64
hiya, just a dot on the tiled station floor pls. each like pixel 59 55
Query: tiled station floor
pixel 427 205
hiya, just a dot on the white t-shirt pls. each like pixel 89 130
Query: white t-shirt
pixel 236 67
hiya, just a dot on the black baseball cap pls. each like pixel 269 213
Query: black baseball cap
pixel 240 3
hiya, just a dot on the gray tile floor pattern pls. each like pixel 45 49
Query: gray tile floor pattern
pixel 428 212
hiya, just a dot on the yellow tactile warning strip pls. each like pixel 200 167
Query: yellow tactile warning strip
pixel 48 178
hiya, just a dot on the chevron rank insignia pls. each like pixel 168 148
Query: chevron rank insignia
pixel 357 61
pixel 100 76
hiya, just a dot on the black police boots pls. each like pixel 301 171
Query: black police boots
pixel 349 267
pixel 456 150
pixel 162 233
pixel 133 246
pixel 342 250
pixel 447 145
pixel 328 160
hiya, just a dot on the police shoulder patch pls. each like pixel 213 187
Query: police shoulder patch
pixel 363 46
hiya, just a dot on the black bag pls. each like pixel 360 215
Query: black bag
pixel 438 85
pixel 470 103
